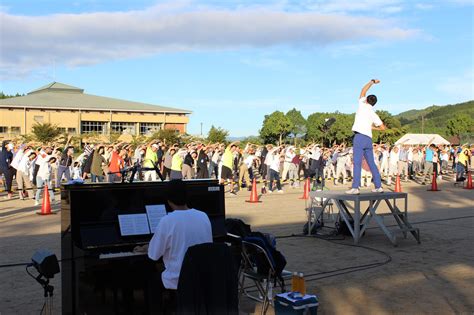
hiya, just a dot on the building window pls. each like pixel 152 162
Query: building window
pixel 71 131
pixel 123 127
pixel 149 128
pixel 62 130
pixel 15 130
pixel 3 129
pixel 93 126
pixel 38 119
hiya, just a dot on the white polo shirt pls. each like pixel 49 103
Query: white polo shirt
pixel 175 233
pixel 365 117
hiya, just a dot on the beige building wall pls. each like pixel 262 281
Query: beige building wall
pixel 16 121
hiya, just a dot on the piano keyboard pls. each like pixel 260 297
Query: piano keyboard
pixel 120 255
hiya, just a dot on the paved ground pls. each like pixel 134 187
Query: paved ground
pixel 435 277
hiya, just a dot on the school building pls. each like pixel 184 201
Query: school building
pixel 76 112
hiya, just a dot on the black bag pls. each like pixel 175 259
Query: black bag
pixel 342 229
pixel 276 257
pixel 237 227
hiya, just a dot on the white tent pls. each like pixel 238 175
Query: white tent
pixel 421 138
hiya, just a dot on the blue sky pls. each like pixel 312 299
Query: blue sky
pixel 232 62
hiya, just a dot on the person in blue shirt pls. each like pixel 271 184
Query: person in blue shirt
pixel 428 165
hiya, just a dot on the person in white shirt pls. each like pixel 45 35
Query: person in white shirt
pixel 365 120
pixel 287 164
pixel 43 177
pixel 176 232
pixel 393 169
pixel 274 159
pixel 23 173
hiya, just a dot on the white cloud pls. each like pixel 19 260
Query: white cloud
pixel 424 6
pixel 32 42
pixel 343 6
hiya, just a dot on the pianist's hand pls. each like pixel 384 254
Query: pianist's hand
pixel 141 249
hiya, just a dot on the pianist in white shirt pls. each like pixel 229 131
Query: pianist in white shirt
pixel 176 232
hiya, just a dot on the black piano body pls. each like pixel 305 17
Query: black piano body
pixel 100 273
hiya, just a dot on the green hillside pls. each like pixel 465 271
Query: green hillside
pixel 433 119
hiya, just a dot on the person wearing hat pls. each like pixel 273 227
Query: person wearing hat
pixel 365 120
pixel 44 178
pixel 6 158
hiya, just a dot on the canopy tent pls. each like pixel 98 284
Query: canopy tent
pixel 421 138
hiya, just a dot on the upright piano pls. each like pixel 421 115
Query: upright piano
pixel 101 274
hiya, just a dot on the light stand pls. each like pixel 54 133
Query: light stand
pixel 48 290
pixel 47 266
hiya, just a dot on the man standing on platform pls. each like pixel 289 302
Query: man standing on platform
pixel 365 120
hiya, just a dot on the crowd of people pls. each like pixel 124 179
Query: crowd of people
pixel 235 164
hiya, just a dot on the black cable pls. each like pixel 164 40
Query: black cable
pixel 300 235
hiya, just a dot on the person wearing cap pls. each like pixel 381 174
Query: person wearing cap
pixel 365 120
pixel 6 158
pixel 151 160
pixel 44 178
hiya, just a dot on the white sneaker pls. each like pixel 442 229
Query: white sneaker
pixel 280 191
pixel 353 191
pixel 270 191
pixel 37 203
pixel 377 190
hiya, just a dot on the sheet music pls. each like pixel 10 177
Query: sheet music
pixel 155 213
pixel 133 224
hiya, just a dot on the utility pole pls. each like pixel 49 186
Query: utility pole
pixel 422 123
pixel 201 129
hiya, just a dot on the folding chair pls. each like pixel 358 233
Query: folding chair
pixel 250 254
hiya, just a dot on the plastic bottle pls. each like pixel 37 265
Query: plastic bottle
pixel 302 285
pixel 264 285
pixel 270 292
pixel 294 282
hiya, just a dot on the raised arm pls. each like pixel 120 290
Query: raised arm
pixel 367 86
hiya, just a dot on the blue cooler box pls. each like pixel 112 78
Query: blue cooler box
pixel 290 304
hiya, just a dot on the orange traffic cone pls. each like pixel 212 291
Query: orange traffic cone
pixel 469 181
pixel 306 190
pixel 434 185
pixel 398 186
pixel 46 204
pixel 253 194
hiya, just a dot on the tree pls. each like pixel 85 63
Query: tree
pixel 459 124
pixel 217 135
pixel 168 136
pixel 314 127
pixel 299 123
pixel 276 126
pixel 45 132
pixel 394 128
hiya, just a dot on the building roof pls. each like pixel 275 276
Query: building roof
pixel 62 96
